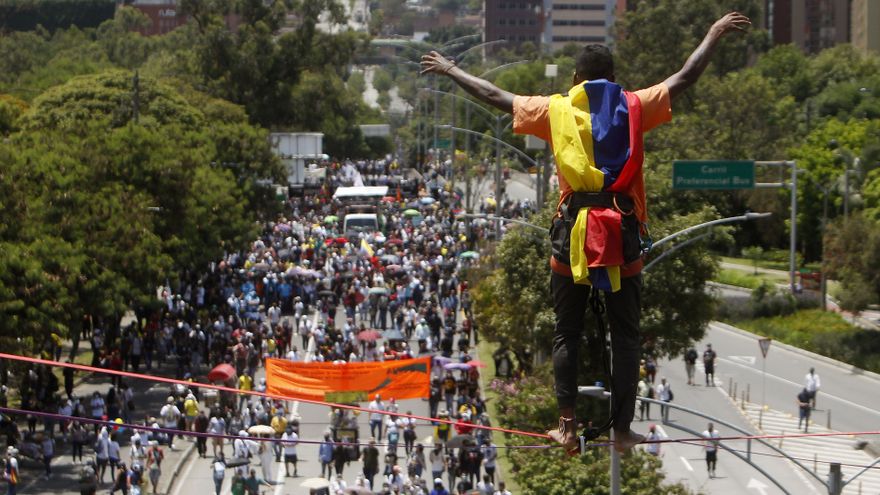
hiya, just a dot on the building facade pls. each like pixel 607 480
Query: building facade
pixel 551 24
pixel 165 16
pixel 865 28
pixel 813 25
pixel 516 21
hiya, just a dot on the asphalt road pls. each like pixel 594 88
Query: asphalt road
pixel 846 395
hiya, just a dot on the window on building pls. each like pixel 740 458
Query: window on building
pixel 532 22
pixel 577 6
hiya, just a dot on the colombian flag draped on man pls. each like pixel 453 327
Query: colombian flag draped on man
pixel 597 142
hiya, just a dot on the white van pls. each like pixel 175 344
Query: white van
pixel 360 222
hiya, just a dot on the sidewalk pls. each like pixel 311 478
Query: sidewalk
pixel 148 398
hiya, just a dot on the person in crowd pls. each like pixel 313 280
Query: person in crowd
pixel 218 472
pixel 289 440
pixel 370 460
pixel 376 418
pixel 154 464
pixel 217 426
pixel 77 441
pixel 88 478
pixel 170 415
pixel 490 454
pixel 502 489
pixel 325 455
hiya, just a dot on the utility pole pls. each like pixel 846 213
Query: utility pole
pixel 792 265
pixel 499 191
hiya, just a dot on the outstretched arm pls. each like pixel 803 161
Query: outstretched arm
pixel 699 59
pixel 481 89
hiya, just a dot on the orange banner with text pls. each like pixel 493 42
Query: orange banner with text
pixel 349 382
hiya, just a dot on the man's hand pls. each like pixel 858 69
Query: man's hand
pixel 734 21
pixel 699 59
pixel 436 63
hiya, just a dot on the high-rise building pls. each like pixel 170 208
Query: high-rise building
pixel 865 31
pixel 812 25
pixel 578 21
pixel 516 21
pixel 551 23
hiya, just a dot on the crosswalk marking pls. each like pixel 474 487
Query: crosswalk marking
pixel 820 450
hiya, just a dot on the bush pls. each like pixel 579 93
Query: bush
pixel 530 404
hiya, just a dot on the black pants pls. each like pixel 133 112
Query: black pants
pixel 623 310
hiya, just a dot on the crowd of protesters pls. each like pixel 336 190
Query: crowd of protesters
pixel 281 298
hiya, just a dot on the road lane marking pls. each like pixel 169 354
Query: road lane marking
pixel 750 360
pixel 185 476
pixel 798 385
pixel 686 464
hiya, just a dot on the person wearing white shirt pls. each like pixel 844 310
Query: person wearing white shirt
pixel 664 393
pixel 274 314
pixel 217 426
pixel 293 354
pixel 502 489
pixel 652 447
pixel 170 415
pixel 289 440
pixel 240 450
pixel 711 445
pixel 812 384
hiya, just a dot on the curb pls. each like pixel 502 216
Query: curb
pixel 818 357
pixel 183 460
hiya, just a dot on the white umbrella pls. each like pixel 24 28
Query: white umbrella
pixel 315 483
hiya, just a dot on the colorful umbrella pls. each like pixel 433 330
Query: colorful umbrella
pixel 221 373
pixel 469 254
pixel 388 199
pixel 411 212
pixel 456 366
pixel 369 335
pixel 427 200
pixel 331 219
pixel 378 290
pixel 315 483
pixel 476 363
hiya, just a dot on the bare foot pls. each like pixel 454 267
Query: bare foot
pixel 626 440
pixel 565 434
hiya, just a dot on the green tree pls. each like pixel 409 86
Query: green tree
pixel 851 256
pixel 754 253
pixel 654 39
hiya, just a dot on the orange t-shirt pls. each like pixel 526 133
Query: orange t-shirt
pixel 531 115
